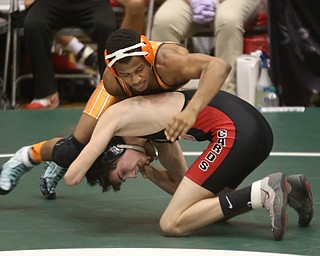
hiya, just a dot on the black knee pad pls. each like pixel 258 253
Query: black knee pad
pixel 65 151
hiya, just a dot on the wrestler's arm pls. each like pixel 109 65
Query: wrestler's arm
pixel 132 117
pixel 172 159
pixel 183 66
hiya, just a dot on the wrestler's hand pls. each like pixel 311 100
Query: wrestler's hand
pixel 179 125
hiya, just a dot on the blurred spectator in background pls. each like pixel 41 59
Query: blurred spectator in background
pixel 134 17
pixel 85 55
pixel 177 20
pixel 43 19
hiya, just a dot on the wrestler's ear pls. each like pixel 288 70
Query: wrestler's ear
pixel 111 68
pixel 148 48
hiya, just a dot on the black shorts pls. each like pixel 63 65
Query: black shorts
pixel 240 140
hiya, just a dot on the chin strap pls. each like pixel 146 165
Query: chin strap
pixel 133 147
pixel 120 54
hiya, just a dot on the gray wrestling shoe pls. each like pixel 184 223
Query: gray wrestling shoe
pixel 274 189
pixel 50 178
pixel 11 171
pixel 300 198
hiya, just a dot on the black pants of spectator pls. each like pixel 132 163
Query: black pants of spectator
pixel 45 17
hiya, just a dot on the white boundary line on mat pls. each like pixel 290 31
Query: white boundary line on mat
pixel 135 252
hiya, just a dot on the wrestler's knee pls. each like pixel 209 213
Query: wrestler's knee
pixel 66 151
pixel 172 227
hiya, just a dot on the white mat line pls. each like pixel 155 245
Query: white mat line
pixel 136 252
pixel 198 153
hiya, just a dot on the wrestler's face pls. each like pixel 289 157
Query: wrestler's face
pixel 128 166
pixel 136 73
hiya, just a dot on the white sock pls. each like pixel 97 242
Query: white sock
pixel 256 200
pixel 75 46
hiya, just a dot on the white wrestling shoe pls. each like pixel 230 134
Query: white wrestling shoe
pixel 50 178
pixel 14 169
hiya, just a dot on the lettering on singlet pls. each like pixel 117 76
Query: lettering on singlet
pixel 215 150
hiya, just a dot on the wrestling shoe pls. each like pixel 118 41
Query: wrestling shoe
pixel 50 178
pixel 11 171
pixel 274 191
pixel 300 198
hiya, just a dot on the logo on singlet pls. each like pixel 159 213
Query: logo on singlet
pixel 215 150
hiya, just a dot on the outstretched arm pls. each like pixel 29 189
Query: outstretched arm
pixel 79 167
pixel 136 116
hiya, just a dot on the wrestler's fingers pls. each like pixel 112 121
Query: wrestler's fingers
pixel 173 134
pixel 169 131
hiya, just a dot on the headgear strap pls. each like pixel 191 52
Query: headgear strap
pixel 132 147
pixel 116 151
pixel 120 54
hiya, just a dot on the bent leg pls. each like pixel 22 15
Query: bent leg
pixel 172 22
pixel 66 150
pixel 47 148
pixel 99 101
pixel 43 151
pixel 189 202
